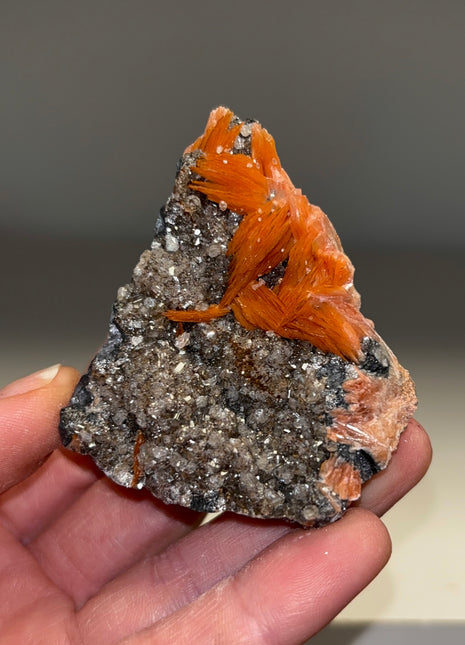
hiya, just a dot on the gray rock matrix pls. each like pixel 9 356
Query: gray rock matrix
pixel 210 416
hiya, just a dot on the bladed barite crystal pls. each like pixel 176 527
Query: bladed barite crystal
pixel 239 373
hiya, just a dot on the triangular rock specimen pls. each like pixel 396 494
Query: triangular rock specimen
pixel 239 373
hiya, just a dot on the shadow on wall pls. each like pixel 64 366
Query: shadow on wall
pixel 335 635
pixel 375 634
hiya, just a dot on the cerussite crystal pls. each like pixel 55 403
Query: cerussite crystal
pixel 239 373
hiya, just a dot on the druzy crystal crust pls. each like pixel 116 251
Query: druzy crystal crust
pixel 238 373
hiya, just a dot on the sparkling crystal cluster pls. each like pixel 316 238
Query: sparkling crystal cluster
pixel 238 373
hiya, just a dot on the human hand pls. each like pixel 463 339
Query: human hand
pixel 84 561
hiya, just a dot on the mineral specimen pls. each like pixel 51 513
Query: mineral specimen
pixel 239 373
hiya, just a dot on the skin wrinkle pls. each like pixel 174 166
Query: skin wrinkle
pixel 254 624
pixel 219 547
pixel 108 503
pixel 76 567
pixel 180 578
pixel 278 560
pixel 269 624
pixel 18 576
pixel 56 473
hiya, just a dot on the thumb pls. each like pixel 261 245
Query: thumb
pixel 29 415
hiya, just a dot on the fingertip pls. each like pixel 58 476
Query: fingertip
pixel 370 533
pixel 417 440
pixel 65 380
pixel 50 376
pixel 409 464
pixel 29 415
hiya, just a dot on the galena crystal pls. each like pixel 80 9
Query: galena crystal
pixel 239 373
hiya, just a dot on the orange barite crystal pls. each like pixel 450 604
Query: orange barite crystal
pixel 315 299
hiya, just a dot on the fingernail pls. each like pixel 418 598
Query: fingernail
pixel 30 382
pixel 48 374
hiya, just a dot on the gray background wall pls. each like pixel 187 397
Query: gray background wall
pixel 365 99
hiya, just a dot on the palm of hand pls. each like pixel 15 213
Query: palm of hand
pixel 84 561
